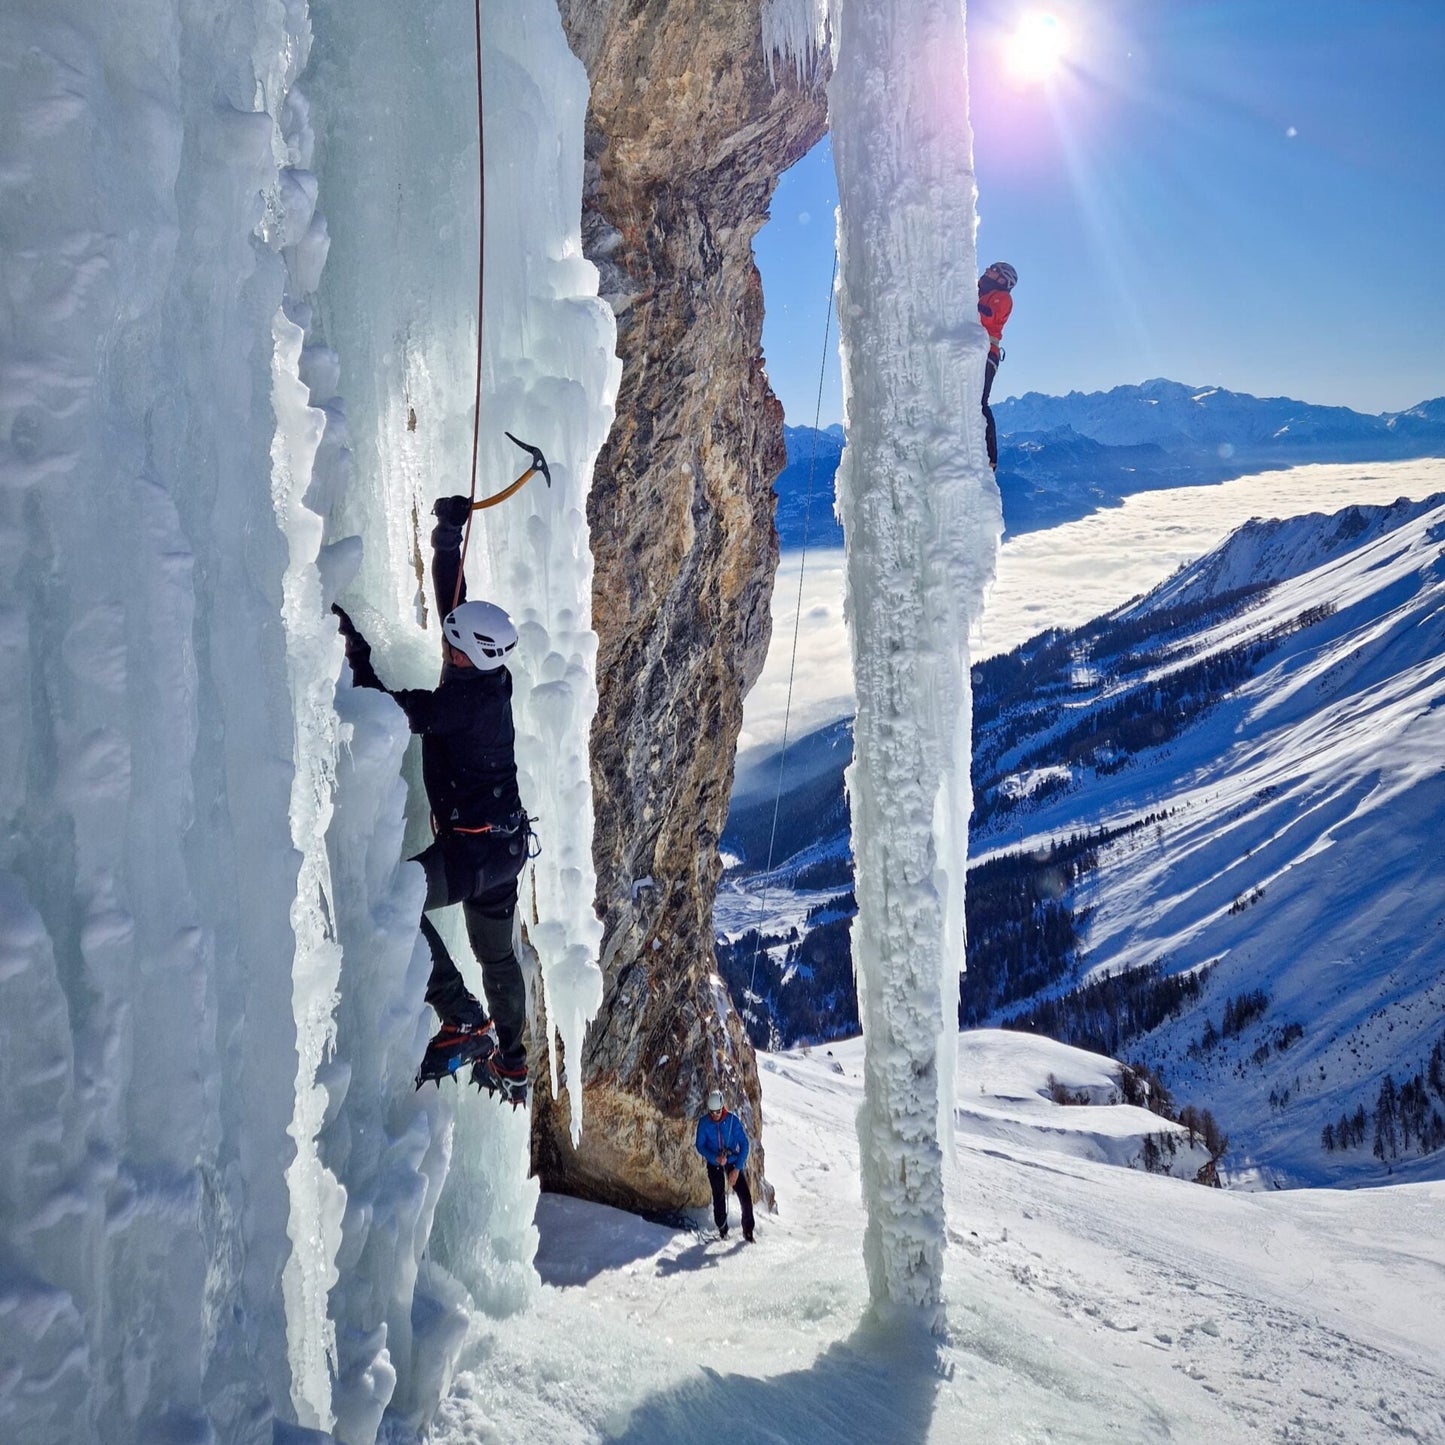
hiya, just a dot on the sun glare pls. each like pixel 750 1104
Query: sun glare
pixel 1036 48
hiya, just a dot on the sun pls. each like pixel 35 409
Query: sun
pixel 1036 49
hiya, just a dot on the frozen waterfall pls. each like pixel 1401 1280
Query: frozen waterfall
pixel 238 247
pixel 921 522
pixel 921 519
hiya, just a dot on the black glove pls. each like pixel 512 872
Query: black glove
pixel 452 511
pixel 358 649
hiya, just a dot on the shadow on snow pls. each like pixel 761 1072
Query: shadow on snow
pixel 878 1385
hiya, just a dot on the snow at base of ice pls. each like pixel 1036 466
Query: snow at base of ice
pixel 1085 1301
pixel 921 521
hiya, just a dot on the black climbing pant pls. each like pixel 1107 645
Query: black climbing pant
pixel 717 1176
pixel 479 872
pixel 989 432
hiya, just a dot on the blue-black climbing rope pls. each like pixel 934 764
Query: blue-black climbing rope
pixel 797 622
pixel 481 279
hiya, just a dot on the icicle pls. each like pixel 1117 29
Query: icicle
pixel 921 520
pixel 796 31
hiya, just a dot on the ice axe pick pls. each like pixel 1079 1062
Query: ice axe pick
pixel 539 464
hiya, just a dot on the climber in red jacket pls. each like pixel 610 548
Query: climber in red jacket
pixel 995 301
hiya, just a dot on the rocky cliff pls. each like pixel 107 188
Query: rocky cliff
pixel 687 135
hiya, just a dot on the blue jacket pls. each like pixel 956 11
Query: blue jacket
pixel 726 1137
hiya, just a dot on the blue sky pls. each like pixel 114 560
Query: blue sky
pixel 1249 195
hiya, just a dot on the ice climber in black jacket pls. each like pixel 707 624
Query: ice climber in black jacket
pixel 481 832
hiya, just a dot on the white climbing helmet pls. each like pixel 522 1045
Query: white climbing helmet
pixel 714 1101
pixel 483 631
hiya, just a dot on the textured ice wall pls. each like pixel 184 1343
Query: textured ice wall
pixel 395 105
pixel 217 1188
pixel 149 1060
pixel 921 519
pixel 398 306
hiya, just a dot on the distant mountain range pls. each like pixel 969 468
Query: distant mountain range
pixel 1063 457
pixel 1206 837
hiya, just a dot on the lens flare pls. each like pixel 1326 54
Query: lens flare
pixel 1036 49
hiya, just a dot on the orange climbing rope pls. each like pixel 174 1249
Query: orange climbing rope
pixel 481 275
pixel 539 462
pixel 751 996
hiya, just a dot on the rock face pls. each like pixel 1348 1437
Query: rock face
pixel 687 135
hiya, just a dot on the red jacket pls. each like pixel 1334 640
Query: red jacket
pixel 993 311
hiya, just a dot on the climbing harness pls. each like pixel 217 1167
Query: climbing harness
pixel 797 621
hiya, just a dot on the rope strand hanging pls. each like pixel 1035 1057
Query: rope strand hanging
pixel 539 462
pixel 797 622
pixel 481 291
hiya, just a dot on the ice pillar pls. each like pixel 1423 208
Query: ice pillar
pixel 921 519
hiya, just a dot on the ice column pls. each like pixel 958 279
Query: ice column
pixel 921 520
pixel 292 225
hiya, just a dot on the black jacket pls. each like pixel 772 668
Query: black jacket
pixel 468 757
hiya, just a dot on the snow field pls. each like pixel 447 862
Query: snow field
pixel 1297 856
pixel 1085 1301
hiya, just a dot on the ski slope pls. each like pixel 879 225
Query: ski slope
pixel 1086 1301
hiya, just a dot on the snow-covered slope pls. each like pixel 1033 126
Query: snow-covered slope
pixel 1087 1302
pixel 1292 842
pixel 1264 551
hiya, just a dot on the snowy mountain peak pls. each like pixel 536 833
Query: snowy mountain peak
pixel 1173 414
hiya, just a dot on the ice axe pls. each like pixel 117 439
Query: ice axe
pixel 539 464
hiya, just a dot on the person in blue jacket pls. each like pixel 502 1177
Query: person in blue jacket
pixel 723 1144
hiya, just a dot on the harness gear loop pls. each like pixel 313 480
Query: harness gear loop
pixel 522 824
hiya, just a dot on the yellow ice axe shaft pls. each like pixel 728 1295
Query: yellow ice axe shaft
pixel 502 496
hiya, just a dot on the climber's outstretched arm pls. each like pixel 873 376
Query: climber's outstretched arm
pixel 446 552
